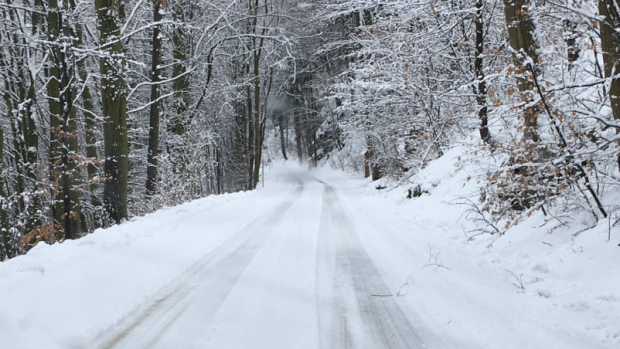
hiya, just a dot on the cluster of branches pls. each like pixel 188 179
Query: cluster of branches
pixel 534 84
pixel 114 108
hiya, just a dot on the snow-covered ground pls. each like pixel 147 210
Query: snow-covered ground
pixel 537 286
pixel 318 260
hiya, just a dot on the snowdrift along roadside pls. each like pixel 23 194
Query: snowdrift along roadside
pixel 64 295
pixel 540 285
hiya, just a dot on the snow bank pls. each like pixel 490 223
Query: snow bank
pixel 114 272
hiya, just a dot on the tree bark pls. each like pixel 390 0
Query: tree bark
pixel 250 138
pixel 282 138
pixel 55 109
pixel 258 140
pixel 179 70
pixel 521 36
pixel 114 102
pixel 298 137
pixel 481 93
pixel 151 171
pixel 375 169
pixel 20 98
pixel 90 118
pixel 63 133
pixel 610 47
pixel 8 250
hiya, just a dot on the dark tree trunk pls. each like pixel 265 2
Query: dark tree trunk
pixel 610 47
pixel 64 148
pixel 218 169
pixel 179 69
pixel 282 136
pixel 251 143
pixel 481 93
pixel 179 121
pixel 298 137
pixel 521 36
pixel 258 140
pixel 241 143
pixel 114 102
pixel 151 171
pixel 90 123
pixel 6 239
pixel 367 164
pixel 20 96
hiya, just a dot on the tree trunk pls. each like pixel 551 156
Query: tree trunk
pixel 251 143
pixel 610 47
pixel 375 170
pixel 114 102
pixel 258 140
pixel 179 70
pixel 367 156
pixel 241 142
pixel 177 126
pixel 20 98
pixel 298 135
pixel 218 169
pixel 25 129
pixel 521 36
pixel 8 250
pixel 481 93
pixel 55 109
pixel 63 133
pixel 282 137
pixel 151 171
pixel 90 123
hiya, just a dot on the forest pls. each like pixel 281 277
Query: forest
pixel 113 109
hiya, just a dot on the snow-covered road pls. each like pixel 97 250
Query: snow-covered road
pixel 310 261
pixel 364 311
pixel 281 281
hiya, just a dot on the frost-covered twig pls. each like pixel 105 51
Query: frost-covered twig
pixel 519 281
pixel 433 259
pixel 476 215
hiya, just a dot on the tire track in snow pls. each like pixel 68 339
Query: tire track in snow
pixel 211 278
pixel 381 321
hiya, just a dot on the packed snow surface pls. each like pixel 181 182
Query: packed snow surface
pixel 317 259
